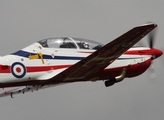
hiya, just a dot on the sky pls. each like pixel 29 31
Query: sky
pixel 25 22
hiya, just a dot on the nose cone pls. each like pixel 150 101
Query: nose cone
pixel 156 53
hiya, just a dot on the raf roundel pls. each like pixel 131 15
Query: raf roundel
pixel 18 70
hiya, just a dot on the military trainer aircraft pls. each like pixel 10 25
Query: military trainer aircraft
pixel 55 61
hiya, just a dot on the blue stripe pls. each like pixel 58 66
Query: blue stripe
pixel 27 54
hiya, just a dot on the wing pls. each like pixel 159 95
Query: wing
pixel 100 59
pixel 24 89
pixel 16 91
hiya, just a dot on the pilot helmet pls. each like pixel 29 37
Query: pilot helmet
pixel 85 45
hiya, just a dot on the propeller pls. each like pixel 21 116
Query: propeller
pixel 151 42
pixel 154 52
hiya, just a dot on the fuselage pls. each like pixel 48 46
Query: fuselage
pixel 41 61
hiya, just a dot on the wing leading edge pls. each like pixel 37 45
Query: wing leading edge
pixel 100 59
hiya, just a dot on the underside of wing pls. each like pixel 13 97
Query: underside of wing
pixel 23 90
pixel 19 90
pixel 103 57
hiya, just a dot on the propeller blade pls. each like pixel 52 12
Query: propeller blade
pixel 151 38
pixel 152 71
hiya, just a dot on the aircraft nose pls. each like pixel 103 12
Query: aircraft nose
pixel 156 53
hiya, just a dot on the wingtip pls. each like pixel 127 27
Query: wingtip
pixel 149 24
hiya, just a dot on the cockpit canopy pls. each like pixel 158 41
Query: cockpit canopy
pixel 70 43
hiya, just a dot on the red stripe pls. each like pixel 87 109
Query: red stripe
pixel 6 69
pixel 131 52
pixel 45 68
pixel 138 52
